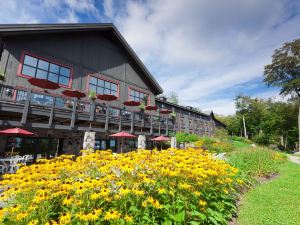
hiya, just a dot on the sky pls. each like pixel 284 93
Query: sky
pixel 207 51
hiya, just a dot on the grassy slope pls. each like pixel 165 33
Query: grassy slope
pixel 276 202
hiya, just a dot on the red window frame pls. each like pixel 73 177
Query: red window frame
pixel 21 62
pixel 101 77
pixel 141 91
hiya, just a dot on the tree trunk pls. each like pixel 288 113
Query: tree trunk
pixel 245 131
pixel 285 142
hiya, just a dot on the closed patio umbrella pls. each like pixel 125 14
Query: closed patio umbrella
pixel 43 83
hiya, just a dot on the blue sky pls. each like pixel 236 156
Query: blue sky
pixel 206 51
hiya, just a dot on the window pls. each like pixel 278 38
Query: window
pixel 137 95
pixel 101 86
pixel 35 67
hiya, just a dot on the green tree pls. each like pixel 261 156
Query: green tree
pixel 284 72
pixel 173 97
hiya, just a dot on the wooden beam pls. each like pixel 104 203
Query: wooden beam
pixel 26 108
pixel 51 114
pixel 159 124
pixel 167 126
pixel 107 118
pixel 132 122
pixel 93 106
pixel 120 121
pixel 73 117
pixel 151 124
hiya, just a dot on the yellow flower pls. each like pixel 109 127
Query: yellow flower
pixel 202 203
pixel 65 218
pixel 21 216
pixel 128 218
pixel 112 215
pixel 68 200
pixel 33 222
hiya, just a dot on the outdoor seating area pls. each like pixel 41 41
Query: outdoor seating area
pixel 11 164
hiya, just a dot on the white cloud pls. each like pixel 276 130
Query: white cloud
pixel 205 47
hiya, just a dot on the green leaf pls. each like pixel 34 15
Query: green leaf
pixel 167 222
pixel 179 217
pixel 194 223
pixel 213 220
pixel 199 214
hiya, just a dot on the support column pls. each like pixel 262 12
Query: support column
pixel 151 125
pixel 120 121
pixel 132 122
pixel 167 126
pixel 26 108
pixel 73 118
pixel 107 117
pixel 51 114
pixel 93 106
pixel 159 124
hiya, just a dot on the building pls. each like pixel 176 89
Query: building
pixel 80 57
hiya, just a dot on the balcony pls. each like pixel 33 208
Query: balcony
pixel 45 110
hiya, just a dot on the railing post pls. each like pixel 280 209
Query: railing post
pixel 132 121
pixel 151 124
pixel 93 106
pixel 73 118
pixel 51 113
pixel 143 119
pixel 167 126
pixel 26 108
pixel 107 117
pixel 120 121
pixel 159 124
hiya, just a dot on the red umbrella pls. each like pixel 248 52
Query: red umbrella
pixel 107 97
pixel 160 138
pixel 131 103
pixel 122 135
pixel 43 83
pixel 74 94
pixel 165 111
pixel 16 132
pixel 151 107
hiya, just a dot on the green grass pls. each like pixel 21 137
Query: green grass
pixel 240 144
pixel 276 202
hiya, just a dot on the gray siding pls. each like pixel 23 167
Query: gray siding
pixel 86 53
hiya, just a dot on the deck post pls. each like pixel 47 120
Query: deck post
pixel 167 126
pixel 51 114
pixel 151 125
pixel 107 117
pixel 93 106
pixel 26 107
pixel 132 122
pixel 159 125
pixel 73 117
pixel 120 121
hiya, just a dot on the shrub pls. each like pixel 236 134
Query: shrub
pixel 261 138
pixel 256 162
pixel 158 187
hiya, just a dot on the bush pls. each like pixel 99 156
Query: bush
pixel 262 139
pixel 214 145
pixel 158 187
pixel 256 162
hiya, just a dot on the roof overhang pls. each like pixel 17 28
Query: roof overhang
pixel 7 30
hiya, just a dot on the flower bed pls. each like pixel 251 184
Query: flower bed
pixel 144 187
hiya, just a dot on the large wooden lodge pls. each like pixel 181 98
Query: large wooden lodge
pixel 81 57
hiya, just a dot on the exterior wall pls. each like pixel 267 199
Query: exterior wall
pixel 86 53
pixel 189 121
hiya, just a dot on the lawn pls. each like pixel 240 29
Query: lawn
pixel 275 202
pixel 240 144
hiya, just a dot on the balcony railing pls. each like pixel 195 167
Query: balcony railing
pixel 50 106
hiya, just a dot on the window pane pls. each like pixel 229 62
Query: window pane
pixel 30 61
pixel 100 83
pixel 107 85
pixel 59 102
pixel 64 80
pixel 93 88
pixel 41 74
pixel 21 95
pixel 43 65
pixel 93 80
pixel 27 70
pixel 113 87
pixel 53 77
pixel 65 71
pixel 114 93
pixel 54 68
pixel 100 90
pixel 106 91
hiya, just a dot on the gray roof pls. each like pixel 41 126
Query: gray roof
pixel 21 29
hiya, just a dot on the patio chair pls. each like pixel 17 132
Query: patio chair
pixel 13 166
pixel 3 169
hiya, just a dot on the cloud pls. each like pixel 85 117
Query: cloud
pixel 198 48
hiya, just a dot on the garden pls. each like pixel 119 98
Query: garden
pixel 165 187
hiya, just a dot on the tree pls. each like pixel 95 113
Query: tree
pixel 173 97
pixel 284 72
